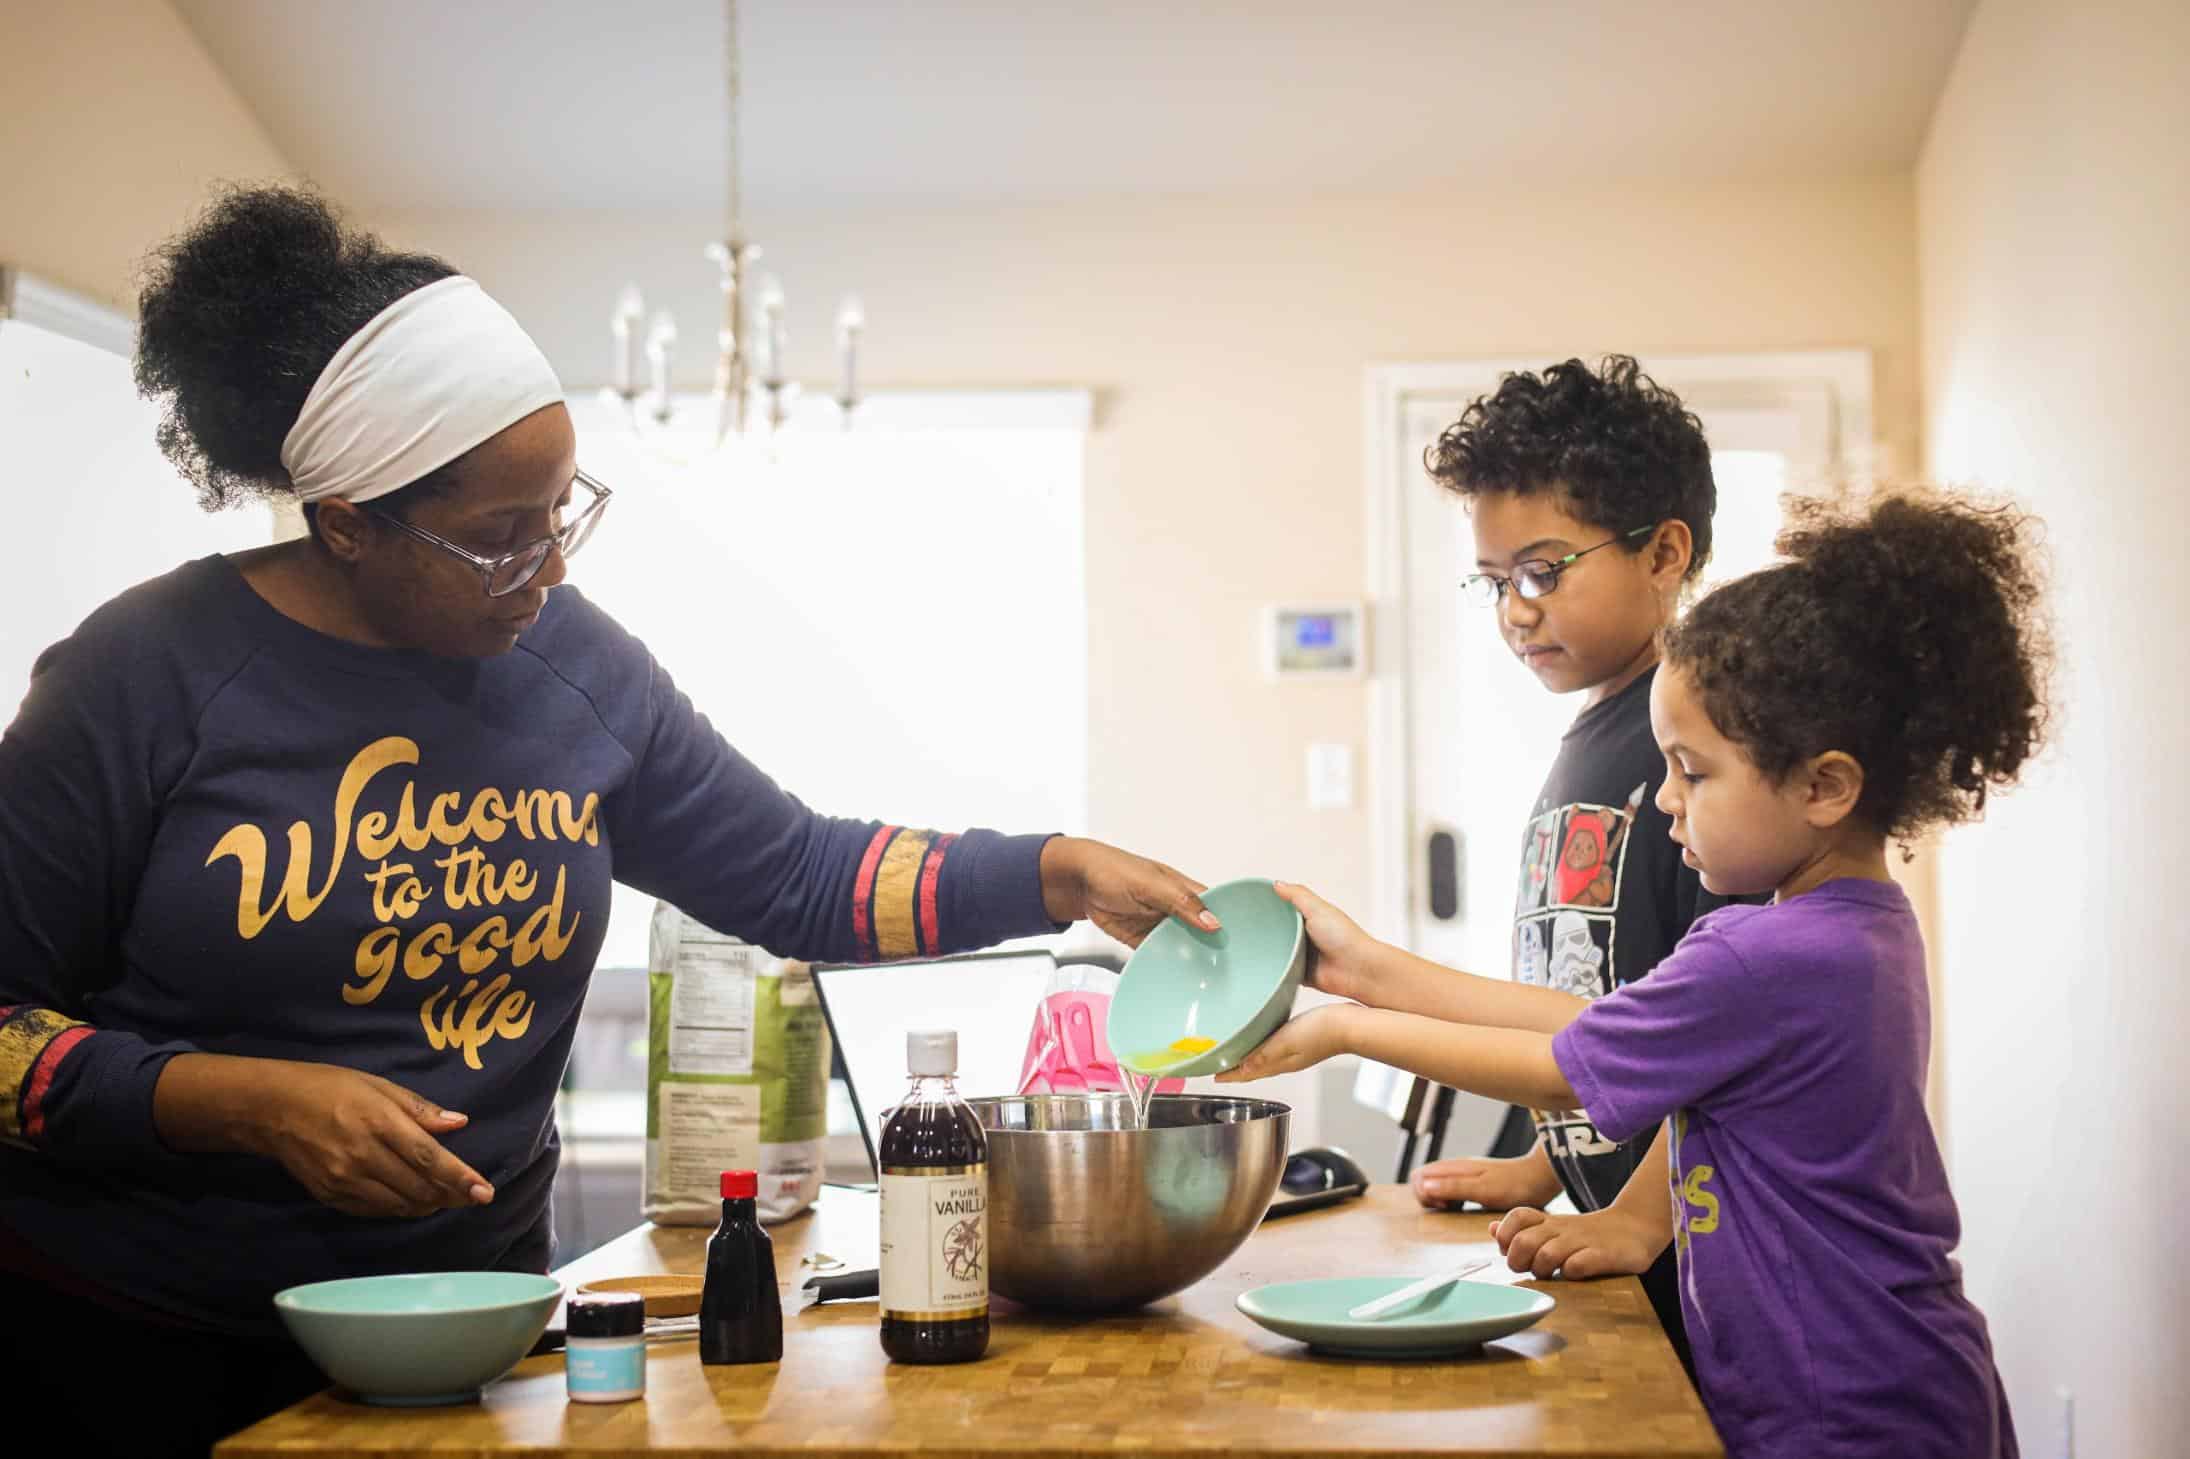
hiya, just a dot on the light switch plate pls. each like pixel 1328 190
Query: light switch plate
pixel 1330 777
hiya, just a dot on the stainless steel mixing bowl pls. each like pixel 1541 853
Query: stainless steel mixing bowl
pixel 1087 1214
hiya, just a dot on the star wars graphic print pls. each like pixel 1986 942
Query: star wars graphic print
pixel 1565 930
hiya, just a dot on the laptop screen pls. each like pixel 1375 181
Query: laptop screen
pixel 989 998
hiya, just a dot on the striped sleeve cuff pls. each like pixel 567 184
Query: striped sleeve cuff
pixel 33 1042
pixel 897 896
pixel 924 894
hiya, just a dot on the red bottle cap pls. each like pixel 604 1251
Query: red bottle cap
pixel 740 1185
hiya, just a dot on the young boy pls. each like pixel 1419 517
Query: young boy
pixel 1591 496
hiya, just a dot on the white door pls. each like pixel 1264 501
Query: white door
pixel 1470 732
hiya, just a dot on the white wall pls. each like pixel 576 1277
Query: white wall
pixel 112 122
pixel 2054 224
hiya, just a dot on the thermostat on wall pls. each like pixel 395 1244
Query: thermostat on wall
pixel 1319 640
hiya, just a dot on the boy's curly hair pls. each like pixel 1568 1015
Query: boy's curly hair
pixel 1618 449
pixel 1910 635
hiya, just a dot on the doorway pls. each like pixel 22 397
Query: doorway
pixel 1461 736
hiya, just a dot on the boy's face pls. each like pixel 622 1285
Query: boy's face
pixel 1740 831
pixel 1597 630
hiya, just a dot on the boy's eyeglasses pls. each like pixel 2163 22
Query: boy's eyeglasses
pixel 1537 577
pixel 512 570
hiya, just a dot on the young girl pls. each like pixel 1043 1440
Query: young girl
pixel 1877 684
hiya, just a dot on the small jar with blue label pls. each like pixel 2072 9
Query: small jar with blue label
pixel 604 1347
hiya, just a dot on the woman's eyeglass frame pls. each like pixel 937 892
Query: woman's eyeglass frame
pixel 567 539
pixel 1535 578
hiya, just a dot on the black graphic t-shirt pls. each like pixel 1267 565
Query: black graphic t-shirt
pixel 1603 898
pixel 222 832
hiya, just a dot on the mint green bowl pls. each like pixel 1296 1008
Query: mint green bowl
pixel 1232 987
pixel 437 1337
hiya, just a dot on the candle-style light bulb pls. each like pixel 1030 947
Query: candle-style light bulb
pixel 851 318
pixel 661 343
pixel 771 327
pixel 624 325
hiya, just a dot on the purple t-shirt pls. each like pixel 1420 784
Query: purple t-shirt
pixel 1787 1044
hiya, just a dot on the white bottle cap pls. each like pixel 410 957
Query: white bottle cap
pixel 932 1051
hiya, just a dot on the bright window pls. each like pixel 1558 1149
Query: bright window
pixel 891 622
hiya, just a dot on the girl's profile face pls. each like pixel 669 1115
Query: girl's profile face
pixel 1743 833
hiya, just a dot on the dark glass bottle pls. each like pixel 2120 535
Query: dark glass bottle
pixel 741 1311
pixel 935 1227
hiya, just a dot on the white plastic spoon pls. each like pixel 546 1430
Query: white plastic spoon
pixel 1412 1291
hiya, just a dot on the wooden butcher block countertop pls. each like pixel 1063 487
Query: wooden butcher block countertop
pixel 1187 1376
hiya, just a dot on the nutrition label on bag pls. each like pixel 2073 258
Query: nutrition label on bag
pixel 711 1007
pixel 706 1129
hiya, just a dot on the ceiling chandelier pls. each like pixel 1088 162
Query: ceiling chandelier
pixel 753 396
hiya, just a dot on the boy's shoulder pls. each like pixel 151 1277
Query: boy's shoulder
pixel 1607 753
pixel 1620 714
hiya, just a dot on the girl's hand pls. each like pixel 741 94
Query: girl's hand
pixel 1607 1243
pixel 1338 950
pixel 1124 894
pixel 1301 1043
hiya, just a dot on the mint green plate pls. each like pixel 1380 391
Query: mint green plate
pixel 1230 988
pixel 437 1337
pixel 1456 1319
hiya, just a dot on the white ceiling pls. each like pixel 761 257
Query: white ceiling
pixel 575 104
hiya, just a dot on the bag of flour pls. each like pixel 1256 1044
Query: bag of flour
pixel 737 1074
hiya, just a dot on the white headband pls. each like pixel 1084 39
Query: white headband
pixel 428 378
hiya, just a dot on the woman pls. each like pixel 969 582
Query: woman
pixel 305 852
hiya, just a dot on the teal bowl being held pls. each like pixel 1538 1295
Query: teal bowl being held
pixel 436 1337
pixel 1194 1002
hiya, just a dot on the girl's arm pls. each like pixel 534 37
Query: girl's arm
pixel 1352 964
pixel 1701 1031
pixel 1404 983
pixel 1510 1064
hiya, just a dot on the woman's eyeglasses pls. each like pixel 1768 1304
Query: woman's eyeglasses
pixel 1537 577
pixel 512 570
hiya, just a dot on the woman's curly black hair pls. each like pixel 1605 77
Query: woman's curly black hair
pixel 1620 451
pixel 1911 636
pixel 238 316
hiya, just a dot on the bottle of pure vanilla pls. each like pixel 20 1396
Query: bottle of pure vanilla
pixel 935 1226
